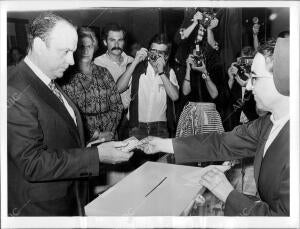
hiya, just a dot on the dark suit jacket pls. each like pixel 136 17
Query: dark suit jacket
pixel 272 173
pixel 45 149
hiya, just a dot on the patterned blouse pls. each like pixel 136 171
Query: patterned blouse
pixel 97 98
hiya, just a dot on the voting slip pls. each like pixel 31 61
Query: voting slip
pixel 131 144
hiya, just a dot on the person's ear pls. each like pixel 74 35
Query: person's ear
pixel 39 45
pixel 269 63
pixel 105 43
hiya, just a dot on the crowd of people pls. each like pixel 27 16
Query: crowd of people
pixel 60 111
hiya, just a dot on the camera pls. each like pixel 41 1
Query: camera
pixel 198 60
pixel 244 66
pixel 207 17
pixel 152 56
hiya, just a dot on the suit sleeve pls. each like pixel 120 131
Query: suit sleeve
pixel 239 204
pixel 30 154
pixel 238 143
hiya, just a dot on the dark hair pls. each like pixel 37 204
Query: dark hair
pixel 112 27
pixel 284 33
pixel 247 51
pixel 42 25
pixel 267 50
pixel 161 38
pixel 88 32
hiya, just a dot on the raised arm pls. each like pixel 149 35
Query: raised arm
pixel 123 81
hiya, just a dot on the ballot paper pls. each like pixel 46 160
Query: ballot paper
pixel 131 144
pixel 194 177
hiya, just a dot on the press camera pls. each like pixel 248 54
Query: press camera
pixel 244 66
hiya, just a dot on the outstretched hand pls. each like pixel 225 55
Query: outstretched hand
pixel 151 145
pixel 111 152
pixel 215 180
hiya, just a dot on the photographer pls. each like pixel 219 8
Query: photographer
pixel 204 89
pixel 154 87
pixel 193 30
pixel 242 105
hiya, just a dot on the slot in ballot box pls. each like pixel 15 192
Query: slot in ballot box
pixel 153 189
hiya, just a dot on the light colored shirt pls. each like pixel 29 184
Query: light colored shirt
pixel 116 70
pixel 276 128
pixel 152 96
pixel 46 80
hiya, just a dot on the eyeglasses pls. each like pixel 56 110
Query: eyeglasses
pixel 253 77
pixel 160 52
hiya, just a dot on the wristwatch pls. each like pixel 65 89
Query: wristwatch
pixel 161 73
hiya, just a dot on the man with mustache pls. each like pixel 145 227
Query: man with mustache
pixel 116 61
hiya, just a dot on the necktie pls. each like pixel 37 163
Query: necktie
pixel 54 89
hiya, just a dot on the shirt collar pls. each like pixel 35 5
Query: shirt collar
pixel 124 57
pixel 43 77
pixel 280 121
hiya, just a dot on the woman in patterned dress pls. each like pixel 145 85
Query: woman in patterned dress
pixel 92 88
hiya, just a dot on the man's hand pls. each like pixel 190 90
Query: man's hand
pixel 232 71
pixel 140 55
pixel 201 68
pixel 151 145
pixel 215 180
pixel 160 64
pixel 241 82
pixel 190 62
pixel 255 29
pixel 197 16
pixel 110 152
pixel 213 23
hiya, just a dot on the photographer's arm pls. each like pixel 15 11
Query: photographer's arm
pixel 171 89
pixel 187 31
pixel 186 86
pixel 210 34
pixel 255 30
pixel 124 79
pixel 211 87
pixel 232 71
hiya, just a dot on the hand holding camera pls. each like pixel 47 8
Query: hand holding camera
pixel 240 72
pixel 213 23
pixel 197 17
pixel 141 55
pixel 256 26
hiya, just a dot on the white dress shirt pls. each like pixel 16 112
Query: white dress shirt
pixel 276 128
pixel 152 96
pixel 46 80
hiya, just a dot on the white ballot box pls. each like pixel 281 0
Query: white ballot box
pixel 153 189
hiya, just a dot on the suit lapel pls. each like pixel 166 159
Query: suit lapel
pixel 78 116
pixel 44 93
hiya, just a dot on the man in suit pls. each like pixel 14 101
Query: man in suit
pixel 266 138
pixel 47 159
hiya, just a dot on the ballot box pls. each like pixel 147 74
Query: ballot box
pixel 153 189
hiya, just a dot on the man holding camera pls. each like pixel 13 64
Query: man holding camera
pixel 243 108
pixel 154 87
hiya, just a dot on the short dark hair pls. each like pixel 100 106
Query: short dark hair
pixel 284 33
pixel 112 27
pixel 247 51
pixel 42 25
pixel 267 50
pixel 161 38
